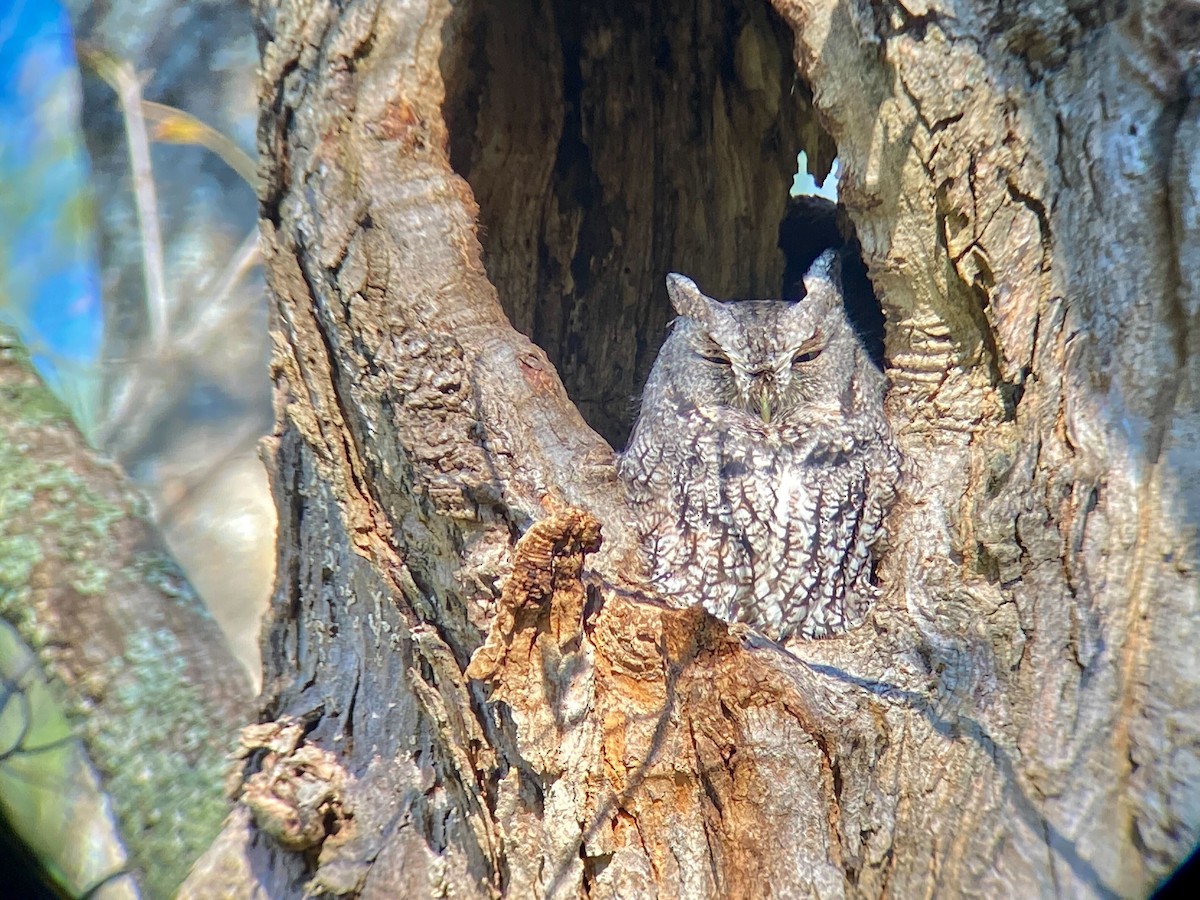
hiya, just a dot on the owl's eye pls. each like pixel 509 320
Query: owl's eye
pixel 800 358
pixel 713 354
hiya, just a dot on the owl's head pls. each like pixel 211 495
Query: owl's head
pixel 769 358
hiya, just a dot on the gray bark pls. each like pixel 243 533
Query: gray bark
pixel 491 701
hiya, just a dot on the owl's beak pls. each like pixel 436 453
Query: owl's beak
pixel 761 391
pixel 765 407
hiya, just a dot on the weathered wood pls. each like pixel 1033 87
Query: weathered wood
pixel 1019 715
pixel 1008 175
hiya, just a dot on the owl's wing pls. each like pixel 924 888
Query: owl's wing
pixel 659 450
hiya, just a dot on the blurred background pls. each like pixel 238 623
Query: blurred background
pixel 129 264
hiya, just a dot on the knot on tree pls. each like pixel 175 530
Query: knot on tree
pixel 298 794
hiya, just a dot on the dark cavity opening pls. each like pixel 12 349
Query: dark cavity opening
pixel 610 143
pixel 813 225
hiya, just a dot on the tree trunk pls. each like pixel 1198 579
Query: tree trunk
pixel 487 699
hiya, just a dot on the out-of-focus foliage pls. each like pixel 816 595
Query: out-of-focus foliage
pixel 169 118
pixel 174 126
pixel 129 648
pixel 49 287
pixel 170 379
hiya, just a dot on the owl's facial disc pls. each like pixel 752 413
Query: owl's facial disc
pixel 776 382
pixel 762 386
pixel 762 357
pixel 761 394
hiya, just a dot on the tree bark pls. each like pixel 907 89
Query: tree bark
pixel 112 764
pixel 470 688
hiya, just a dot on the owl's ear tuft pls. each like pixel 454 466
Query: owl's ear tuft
pixel 688 300
pixel 685 296
pixel 823 280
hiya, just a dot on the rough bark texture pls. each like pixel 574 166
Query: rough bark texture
pixel 1018 717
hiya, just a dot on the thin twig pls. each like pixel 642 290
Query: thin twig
pixel 122 78
pixel 142 391
pixel 174 126
pixel 213 314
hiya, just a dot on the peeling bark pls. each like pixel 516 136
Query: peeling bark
pixel 461 615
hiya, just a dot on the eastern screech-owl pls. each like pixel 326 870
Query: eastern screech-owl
pixel 761 464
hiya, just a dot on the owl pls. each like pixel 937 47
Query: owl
pixel 761 465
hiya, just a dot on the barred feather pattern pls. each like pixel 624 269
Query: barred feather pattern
pixel 761 466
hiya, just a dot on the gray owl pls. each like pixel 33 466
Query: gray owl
pixel 761 464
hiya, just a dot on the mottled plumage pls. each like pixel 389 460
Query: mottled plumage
pixel 761 464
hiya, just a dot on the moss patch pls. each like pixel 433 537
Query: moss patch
pixel 68 524
pixel 166 762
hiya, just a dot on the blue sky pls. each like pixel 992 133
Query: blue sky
pixel 49 282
